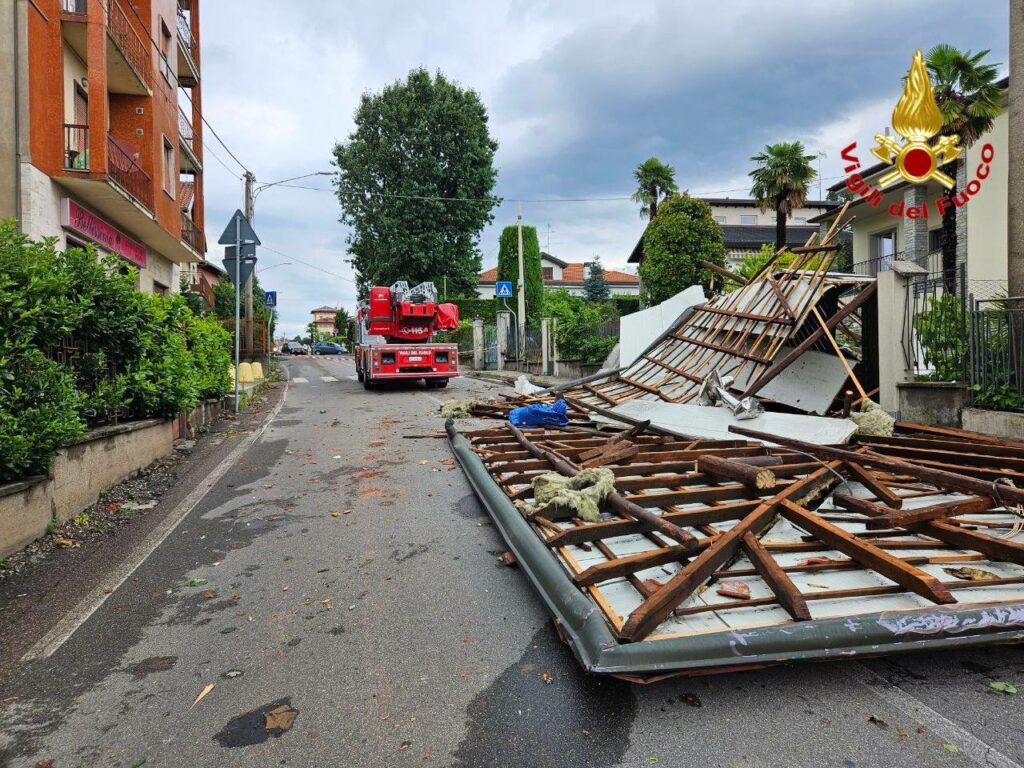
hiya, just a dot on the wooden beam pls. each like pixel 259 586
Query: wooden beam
pixel 746 315
pixel 710 265
pixel 903 518
pixel 785 590
pixel 869 480
pixel 719 348
pixel 598 393
pixel 910 578
pixel 655 609
pixel 615 500
pixel 721 468
pixel 810 341
pixel 940 478
pixel 623 566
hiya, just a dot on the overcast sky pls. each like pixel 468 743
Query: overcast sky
pixel 577 93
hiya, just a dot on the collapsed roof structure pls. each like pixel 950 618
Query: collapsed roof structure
pixel 738 545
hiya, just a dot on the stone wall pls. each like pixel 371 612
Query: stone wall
pixel 77 476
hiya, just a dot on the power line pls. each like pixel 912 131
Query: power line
pixel 306 263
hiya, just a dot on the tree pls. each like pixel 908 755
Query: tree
pixel 341 321
pixel 415 181
pixel 682 237
pixel 781 180
pixel 969 100
pixel 508 269
pixel 655 181
pixel 594 287
pixel 313 331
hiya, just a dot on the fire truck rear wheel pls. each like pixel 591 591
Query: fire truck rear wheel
pixel 368 383
pixel 437 383
pixel 359 374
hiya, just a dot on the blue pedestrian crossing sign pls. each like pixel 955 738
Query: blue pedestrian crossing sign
pixel 503 289
pixel 270 298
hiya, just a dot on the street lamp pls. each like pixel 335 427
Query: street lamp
pixel 259 188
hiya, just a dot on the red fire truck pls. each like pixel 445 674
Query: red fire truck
pixel 394 330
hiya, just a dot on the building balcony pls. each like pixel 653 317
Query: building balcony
pixel 129 64
pixel 203 288
pixel 188 52
pixel 192 234
pixel 190 162
pixel 121 192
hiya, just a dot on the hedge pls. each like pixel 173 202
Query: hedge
pixel 79 347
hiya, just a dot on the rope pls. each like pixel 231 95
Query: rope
pixel 1015 510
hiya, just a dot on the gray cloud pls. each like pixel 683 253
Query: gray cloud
pixel 578 93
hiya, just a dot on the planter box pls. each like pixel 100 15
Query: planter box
pixel 78 475
pixel 998 423
pixel 935 403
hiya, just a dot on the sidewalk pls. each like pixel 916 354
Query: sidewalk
pixel 509 377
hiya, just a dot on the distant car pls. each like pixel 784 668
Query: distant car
pixel 329 348
pixel 293 348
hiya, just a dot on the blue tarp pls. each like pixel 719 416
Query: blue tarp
pixel 539 415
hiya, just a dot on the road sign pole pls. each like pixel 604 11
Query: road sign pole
pixel 238 290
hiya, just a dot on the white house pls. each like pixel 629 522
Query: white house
pixel 567 275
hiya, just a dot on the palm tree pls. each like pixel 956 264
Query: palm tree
pixel 969 100
pixel 782 178
pixel 655 181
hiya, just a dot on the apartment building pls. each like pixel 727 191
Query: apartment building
pixel 105 130
pixel 323 318
pixel 745 227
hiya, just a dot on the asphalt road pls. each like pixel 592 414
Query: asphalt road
pixel 352 582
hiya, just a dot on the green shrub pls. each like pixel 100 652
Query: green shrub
pixel 940 332
pixel 463 336
pixel 626 305
pixel 210 346
pixel 124 353
pixel 681 237
pixel 38 412
pixel 472 307
pixel 580 325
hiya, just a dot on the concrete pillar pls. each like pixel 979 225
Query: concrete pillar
pixel 478 344
pixel 961 214
pixel 892 321
pixel 915 231
pixel 545 329
pixel 554 346
pixel 504 325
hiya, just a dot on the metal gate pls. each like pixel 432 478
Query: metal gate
pixel 490 360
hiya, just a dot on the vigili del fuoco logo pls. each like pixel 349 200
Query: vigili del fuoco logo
pixel 919 158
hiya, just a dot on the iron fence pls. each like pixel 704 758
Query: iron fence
pixel 996 353
pixel 127 40
pixel 934 335
pixel 192 234
pixel 126 171
pixel 76 147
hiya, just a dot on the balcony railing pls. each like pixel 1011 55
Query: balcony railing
pixel 185 34
pixel 124 168
pixel 76 147
pixel 185 128
pixel 192 234
pixel 76 7
pixel 128 41
pixel 203 288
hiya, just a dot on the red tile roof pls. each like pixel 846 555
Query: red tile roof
pixel 572 274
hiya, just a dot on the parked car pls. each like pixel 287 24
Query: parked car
pixel 293 348
pixel 329 348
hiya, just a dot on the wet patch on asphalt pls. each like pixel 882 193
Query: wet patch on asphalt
pixel 591 715
pixel 258 725
pixel 151 665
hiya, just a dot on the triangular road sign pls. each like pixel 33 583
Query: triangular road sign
pixel 245 268
pixel 246 233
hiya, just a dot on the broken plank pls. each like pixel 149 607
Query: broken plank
pixel 785 590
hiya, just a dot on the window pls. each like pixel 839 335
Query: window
pixel 720 219
pixel 883 249
pixel 165 52
pixel 549 274
pixel 169 169
pixel 748 218
pixel 935 239
pixel 160 289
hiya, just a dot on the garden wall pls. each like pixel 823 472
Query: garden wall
pixel 78 475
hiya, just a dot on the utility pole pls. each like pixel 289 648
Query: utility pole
pixel 1015 251
pixel 522 285
pixel 249 180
